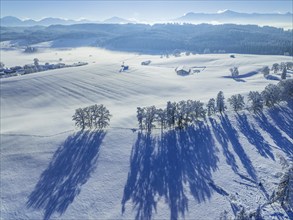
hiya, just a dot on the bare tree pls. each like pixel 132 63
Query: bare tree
pixel 36 61
pixel 289 65
pixel 220 103
pixel 161 118
pixel 93 115
pixel 265 71
pixel 256 101
pixel 198 111
pixel 79 118
pixel 237 102
pixel 171 111
pixel 180 113
pixel 103 117
pixel 286 88
pixel 271 95
pixel 284 193
pixel 150 116
pixel 140 117
pixel 211 106
pixel 234 71
pixel 276 67
pixel 282 66
pixel 284 73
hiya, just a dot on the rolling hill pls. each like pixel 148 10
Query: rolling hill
pixel 51 170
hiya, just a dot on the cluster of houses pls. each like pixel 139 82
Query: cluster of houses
pixel 33 68
pixel 181 70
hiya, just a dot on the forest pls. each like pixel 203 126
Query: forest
pixel 161 38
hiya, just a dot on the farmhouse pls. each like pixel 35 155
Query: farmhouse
pixel 124 68
pixel 183 70
pixel 145 63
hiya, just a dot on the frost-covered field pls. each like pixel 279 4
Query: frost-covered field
pixel 50 170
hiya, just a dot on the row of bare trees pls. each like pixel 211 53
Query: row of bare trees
pixel 183 113
pixel 178 114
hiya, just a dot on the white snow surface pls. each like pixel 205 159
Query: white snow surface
pixel 51 170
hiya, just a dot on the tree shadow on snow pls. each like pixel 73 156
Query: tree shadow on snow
pixel 254 136
pixel 140 182
pixel 281 141
pixel 234 139
pixel 282 117
pixel 237 79
pixel 223 140
pixel 70 168
pixel 225 133
pixel 161 167
pixel 245 75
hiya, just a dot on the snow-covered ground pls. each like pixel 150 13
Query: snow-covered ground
pixel 51 170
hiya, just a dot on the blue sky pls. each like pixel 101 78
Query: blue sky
pixel 139 10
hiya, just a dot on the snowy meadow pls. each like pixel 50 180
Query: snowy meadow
pixel 221 166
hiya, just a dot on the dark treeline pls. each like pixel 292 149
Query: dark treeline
pixel 164 38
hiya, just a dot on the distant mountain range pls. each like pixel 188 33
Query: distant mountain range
pixel 14 21
pixel 227 16
pixel 10 21
pixel 116 20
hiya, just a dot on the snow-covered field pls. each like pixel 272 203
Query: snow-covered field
pixel 51 170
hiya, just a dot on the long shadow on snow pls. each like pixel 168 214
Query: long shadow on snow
pixel 161 166
pixel 70 168
pixel 282 117
pixel 246 75
pixel 232 135
pixel 140 186
pixel 254 136
pixel 223 140
pixel 275 134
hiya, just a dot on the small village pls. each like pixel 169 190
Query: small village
pixel 34 68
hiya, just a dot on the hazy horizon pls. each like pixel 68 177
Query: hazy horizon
pixel 134 10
